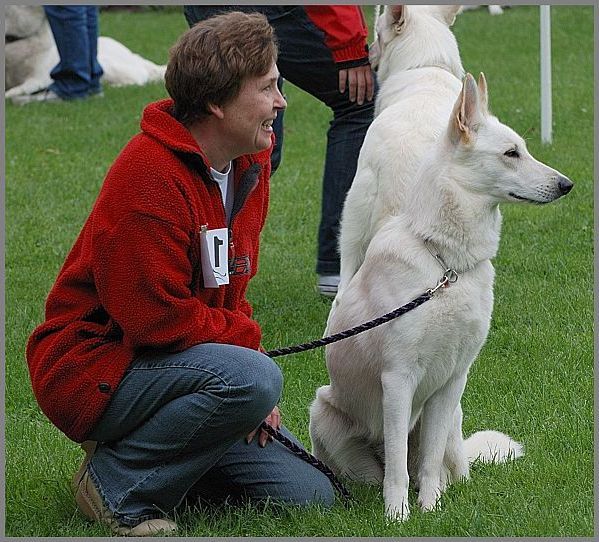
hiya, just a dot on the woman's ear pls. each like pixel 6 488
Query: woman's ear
pixel 216 110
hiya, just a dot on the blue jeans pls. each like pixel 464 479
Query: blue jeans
pixel 75 31
pixel 305 60
pixel 176 427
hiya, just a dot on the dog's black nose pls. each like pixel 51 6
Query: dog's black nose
pixel 565 185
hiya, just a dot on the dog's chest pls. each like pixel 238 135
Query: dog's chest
pixel 425 347
pixel 453 327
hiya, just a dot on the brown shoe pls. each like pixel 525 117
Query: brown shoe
pixel 89 447
pixel 90 503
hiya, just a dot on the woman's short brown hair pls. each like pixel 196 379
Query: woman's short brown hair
pixel 210 61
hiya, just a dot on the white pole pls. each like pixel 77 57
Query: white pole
pixel 546 108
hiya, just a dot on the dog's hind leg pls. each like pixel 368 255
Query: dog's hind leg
pixel 340 444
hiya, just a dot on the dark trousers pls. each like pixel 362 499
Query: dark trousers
pixel 305 60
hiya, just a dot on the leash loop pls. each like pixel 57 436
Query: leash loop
pixel 451 275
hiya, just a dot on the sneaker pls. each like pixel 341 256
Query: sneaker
pixel 44 95
pixel 327 285
pixel 91 505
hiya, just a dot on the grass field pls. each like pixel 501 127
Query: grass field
pixel 533 378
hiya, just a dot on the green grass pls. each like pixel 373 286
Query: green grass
pixel 533 379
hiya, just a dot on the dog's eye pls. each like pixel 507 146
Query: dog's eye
pixel 512 153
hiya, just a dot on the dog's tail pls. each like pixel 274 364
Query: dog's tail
pixel 492 447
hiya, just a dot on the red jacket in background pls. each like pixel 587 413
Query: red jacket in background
pixel 133 279
pixel 344 28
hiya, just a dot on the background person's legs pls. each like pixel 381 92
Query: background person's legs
pixel 95 69
pixel 75 31
pixel 306 61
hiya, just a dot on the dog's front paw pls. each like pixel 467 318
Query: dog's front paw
pixel 397 512
pixel 428 497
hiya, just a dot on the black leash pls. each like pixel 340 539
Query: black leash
pixel 450 276
pixel 308 458
pixel 354 330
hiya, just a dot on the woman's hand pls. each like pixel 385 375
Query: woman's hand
pixel 274 420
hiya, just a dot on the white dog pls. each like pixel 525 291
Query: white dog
pixel 419 74
pixel 392 410
pixel 30 55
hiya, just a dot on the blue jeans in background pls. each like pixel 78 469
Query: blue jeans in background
pixel 176 427
pixel 75 31
pixel 305 60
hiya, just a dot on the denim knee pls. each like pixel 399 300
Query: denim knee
pixel 315 491
pixel 254 384
pixel 266 382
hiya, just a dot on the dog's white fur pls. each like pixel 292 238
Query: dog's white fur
pixel 29 59
pixel 433 169
pixel 419 74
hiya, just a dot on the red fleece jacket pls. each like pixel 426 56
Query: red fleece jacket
pixel 344 28
pixel 133 279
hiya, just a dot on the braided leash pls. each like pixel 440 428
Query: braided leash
pixel 354 330
pixel 300 452
pixel 449 277
pixel 308 458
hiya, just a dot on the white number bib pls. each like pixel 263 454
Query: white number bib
pixel 215 262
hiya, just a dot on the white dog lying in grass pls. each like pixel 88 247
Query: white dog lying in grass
pixel 433 169
pixel 30 55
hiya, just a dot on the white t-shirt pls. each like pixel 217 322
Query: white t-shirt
pixel 225 183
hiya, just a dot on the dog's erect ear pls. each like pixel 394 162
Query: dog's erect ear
pixel 466 114
pixel 448 13
pixel 483 94
pixel 398 16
